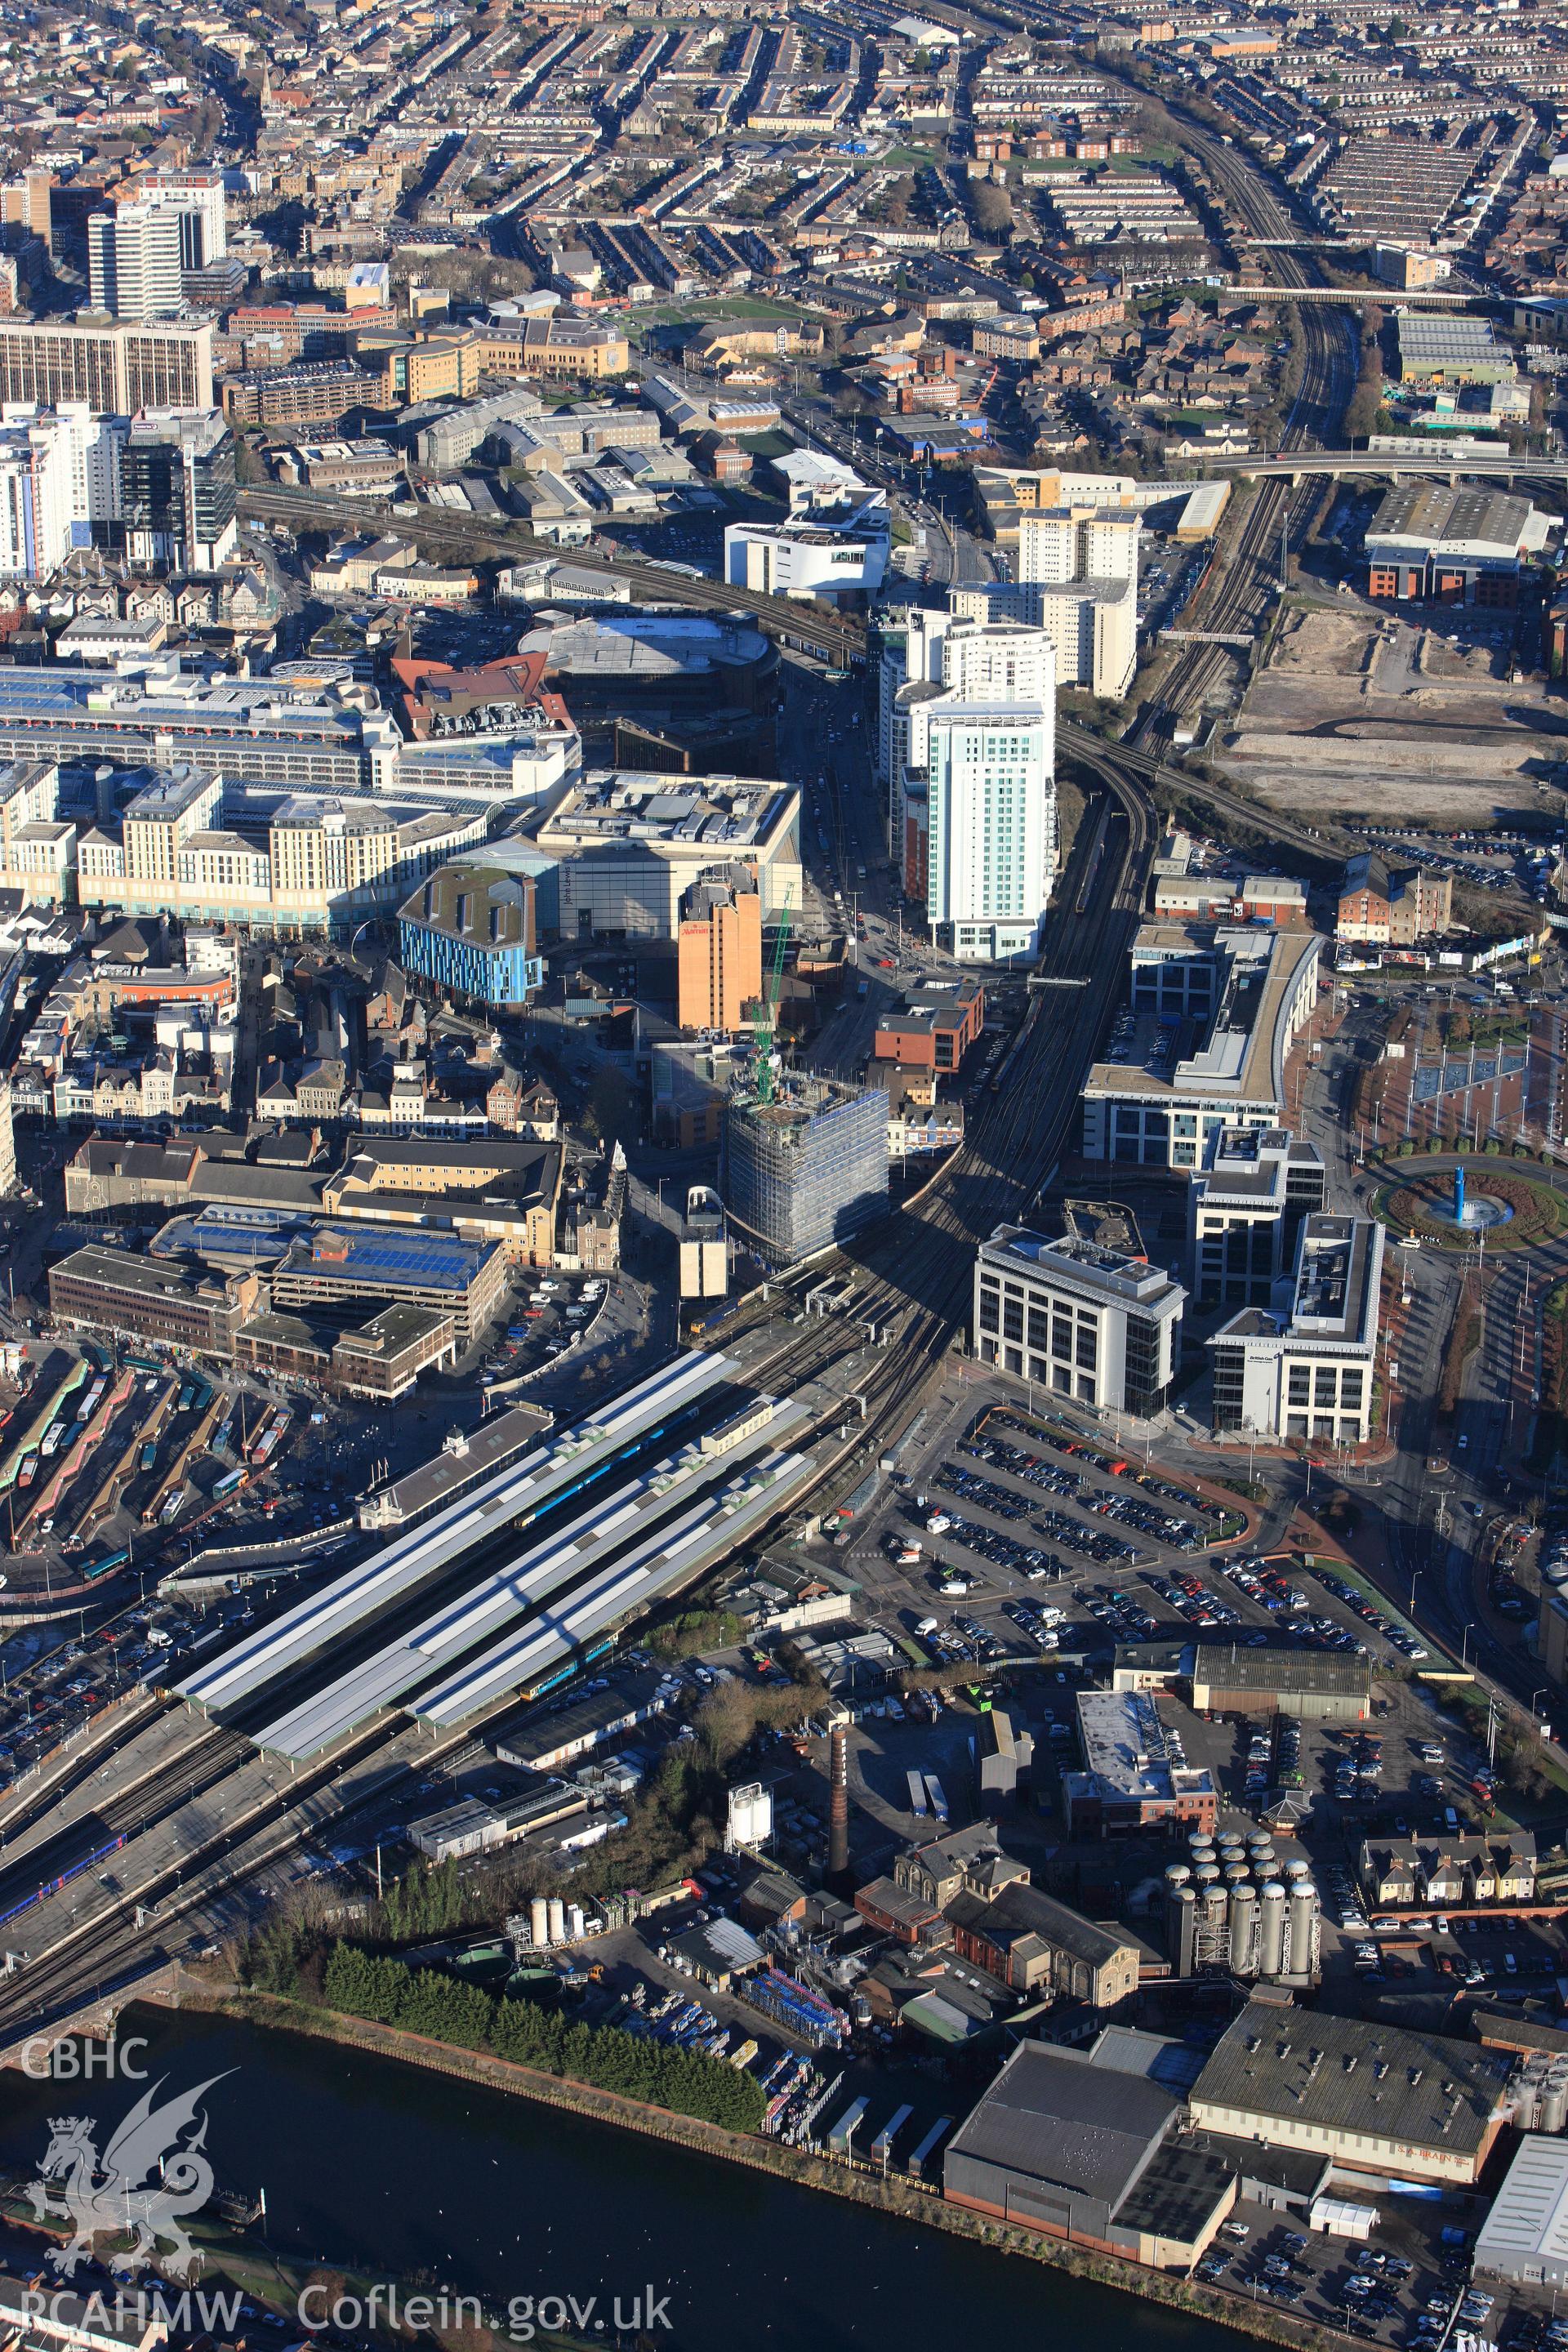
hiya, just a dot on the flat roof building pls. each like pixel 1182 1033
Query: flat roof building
pixel 620 848
pixel 263 731
pixel 1129 1781
pixel 1308 1372
pixel 1213 1016
pixel 718 952
pixel 831 556
pixel 381 1359
pixel 461 1279
pixel 1093 1322
pixel 1524 2238
pixel 117 369
pixel 1065 2144
pixel 114 1290
pixel 1244 1208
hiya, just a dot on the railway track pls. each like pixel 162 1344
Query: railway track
pixel 808 625
pixel 912 1280
pixel 1279 514
pixel 912 1273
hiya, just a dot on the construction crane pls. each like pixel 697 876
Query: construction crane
pixel 767 1008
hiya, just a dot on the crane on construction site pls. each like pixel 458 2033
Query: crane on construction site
pixel 766 1023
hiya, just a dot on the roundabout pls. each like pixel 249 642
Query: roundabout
pixel 1479 1206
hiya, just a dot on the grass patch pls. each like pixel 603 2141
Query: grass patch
pixel 1537 1210
pixel 1464 1338
pixel 718 306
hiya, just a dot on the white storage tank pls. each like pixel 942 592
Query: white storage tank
pixel 538 1923
pixel 576 1923
pixel 1554 2102
pixel 557 1920
pixel 1271 1935
pixel 750 1821
pixel 1243 1930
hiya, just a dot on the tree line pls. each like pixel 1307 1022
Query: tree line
pixel 355 1982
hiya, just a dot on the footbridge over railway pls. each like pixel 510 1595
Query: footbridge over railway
pixel 1448 463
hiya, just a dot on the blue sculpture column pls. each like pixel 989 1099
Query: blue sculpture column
pixel 1459 1195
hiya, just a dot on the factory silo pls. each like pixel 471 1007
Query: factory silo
pixel 1303 1901
pixel 1243 1921
pixel 1272 1908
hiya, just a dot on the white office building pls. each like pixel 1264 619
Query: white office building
pixel 133 261
pixel 93 444
pixel 1306 1371
pixel 836 549
pixel 1086 1318
pixel 36 503
pixel 991 824
pixel 60 470
pixel 1244 1208
pixel 1077 581
pixel 1211 1017
pixel 195 197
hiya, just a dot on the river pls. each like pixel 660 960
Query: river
pixel 386 2169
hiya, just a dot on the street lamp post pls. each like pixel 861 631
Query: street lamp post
pixel 1464 1645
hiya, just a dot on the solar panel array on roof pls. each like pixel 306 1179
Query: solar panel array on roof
pixel 431 1262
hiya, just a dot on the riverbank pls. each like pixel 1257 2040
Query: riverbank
pixel 233 2265
pixel 898 2199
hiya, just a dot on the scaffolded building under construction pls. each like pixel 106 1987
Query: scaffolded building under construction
pixel 805 1170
